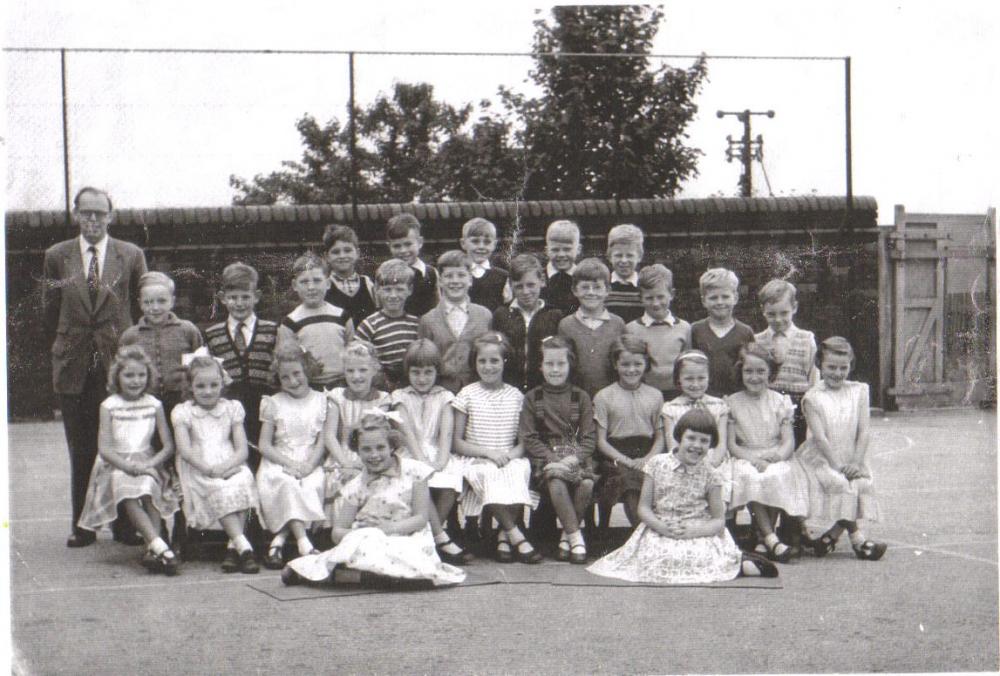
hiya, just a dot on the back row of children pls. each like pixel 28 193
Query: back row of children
pixel 495 388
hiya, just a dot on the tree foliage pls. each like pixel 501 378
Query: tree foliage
pixel 604 127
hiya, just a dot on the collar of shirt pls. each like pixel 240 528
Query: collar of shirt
pixel 633 279
pixel 102 249
pixel 394 471
pixel 249 323
pixel 353 279
pixel 550 270
pixel 527 313
pixel 420 267
pixel 216 411
pixel 605 316
pixel 647 321
pixel 450 307
pixel 479 269
pixel 169 321
pixel 770 333
pixel 676 465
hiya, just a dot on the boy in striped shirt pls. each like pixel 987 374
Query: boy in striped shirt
pixel 624 253
pixel 391 329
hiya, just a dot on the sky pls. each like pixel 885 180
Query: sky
pixel 169 129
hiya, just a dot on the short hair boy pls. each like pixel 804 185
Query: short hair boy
pixel 562 246
pixel 526 322
pixel 245 344
pixel 455 321
pixel 348 289
pixel 390 329
pixel 720 335
pixel 792 348
pixel 402 234
pixel 163 336
pixel 592 329
pixel 624 253
pixel 320 327
pixel 489 284
pixel 666 335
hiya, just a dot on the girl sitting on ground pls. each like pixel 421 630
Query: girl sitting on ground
pixel 380 519
pixel 682 538
pixel 128 471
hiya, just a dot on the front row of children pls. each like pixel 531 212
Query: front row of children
pixel 384 471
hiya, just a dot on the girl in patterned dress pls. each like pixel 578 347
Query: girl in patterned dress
pixel 629 428
pixel 691 377
pixel 380 524
pixel 128 471
pixel 218 486
pixel 492 458
pixel 290 476
pixel 682 538
pixel 426 407
pixel 347 404
pixel 835 454
pixel 761 444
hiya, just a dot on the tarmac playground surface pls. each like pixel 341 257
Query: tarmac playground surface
pixel 929 605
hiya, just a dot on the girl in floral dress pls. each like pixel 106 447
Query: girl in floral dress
pixel 682 537
pixel 380 522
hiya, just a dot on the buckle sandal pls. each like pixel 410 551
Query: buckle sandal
pixel 562 554
pixel 459 558
pixel 823 545
pixel 785 555
pixel 231 561
pixel 525 553
pixel 578 554
pixel 504 554
pixel 764 567
pixel 870 551
pixel 274 559
pixel 248 563
pixel 168 563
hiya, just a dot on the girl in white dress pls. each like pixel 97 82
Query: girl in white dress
pixel 835 453
pixel 682 537
pixel 347 404
pixel 761 444
pixel 427 410
pixel 380 525
pixel 211 462
pixel 487 413
pixel 128 470
pixel 290 476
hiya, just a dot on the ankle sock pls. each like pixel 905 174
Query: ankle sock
pixel 158 546
pixel 749 569
pixel 304 544
pixel 563 541
pixel 857 538
pixel 440 538
pixel 241 544
pixel 575 538
pixel 278 541
pixel 771 540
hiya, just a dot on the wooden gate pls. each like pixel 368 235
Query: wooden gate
pixel 937 310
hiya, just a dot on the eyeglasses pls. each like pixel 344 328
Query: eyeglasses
pixel 90 214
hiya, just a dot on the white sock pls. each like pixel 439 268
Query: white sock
pixel 305 545
pixel 563 541
pixel 278 541
pixel 241 544
pixel 158 546
pixel 440 538
pixel 749 569
pixel 771 540
pixel 857 538
pixel 576 538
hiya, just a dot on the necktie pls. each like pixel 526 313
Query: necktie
pixel 93 274
pixel 241 342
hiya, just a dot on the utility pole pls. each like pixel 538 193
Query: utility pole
pixel 748 150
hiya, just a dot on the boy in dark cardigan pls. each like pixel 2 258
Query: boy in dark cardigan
pixel 245 343
pixel 489 284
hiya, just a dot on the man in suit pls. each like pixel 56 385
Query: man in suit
pixel 90 283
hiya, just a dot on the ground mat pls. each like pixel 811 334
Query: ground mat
pixel 276 589
pixel 577 576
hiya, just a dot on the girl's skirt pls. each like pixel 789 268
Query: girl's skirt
pixel 650 557
pixel 109 486
pixel 493 485
pixel 832 496
pixel 408 557
pixel 207 499
pixel 284 498
pixel 616 480
pixel 782 485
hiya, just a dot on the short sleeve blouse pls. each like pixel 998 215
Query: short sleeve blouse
pixel 384 498
pixel 680 491
pixel 492 415
pixel 628 413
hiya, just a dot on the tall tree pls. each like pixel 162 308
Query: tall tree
pixel 606 126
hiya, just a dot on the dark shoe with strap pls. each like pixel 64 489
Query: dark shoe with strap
pixel 870 551
pixel 459 558
pixel 274 559
pixel 81 538
pixel 248 563
pixel 231 561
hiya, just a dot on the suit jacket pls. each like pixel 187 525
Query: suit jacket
pixel 455 370
pixel 76 327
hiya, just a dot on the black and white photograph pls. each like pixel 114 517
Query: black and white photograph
pixel 493 338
